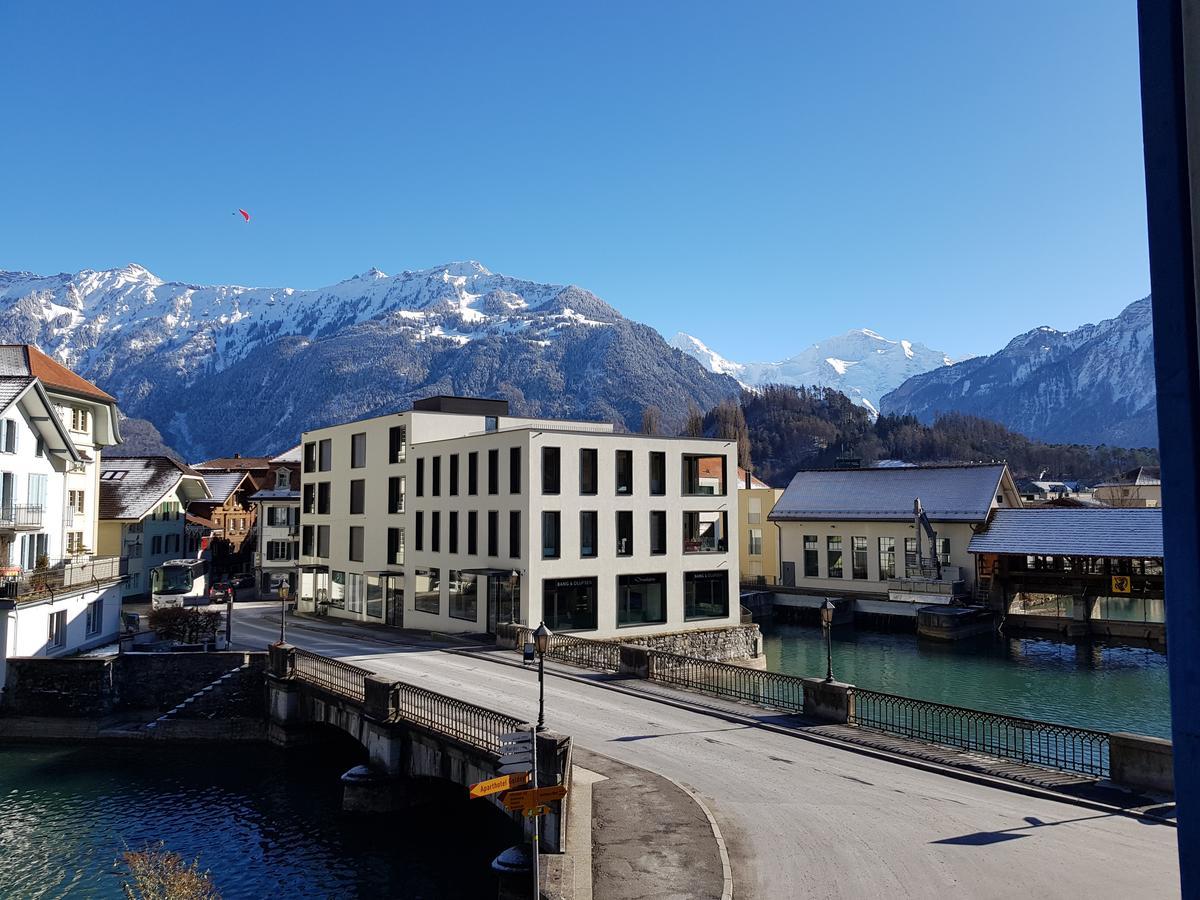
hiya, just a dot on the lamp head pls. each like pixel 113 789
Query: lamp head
pixel 541 638
pixel 827 609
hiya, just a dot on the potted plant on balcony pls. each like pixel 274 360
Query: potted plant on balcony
pixel 40 579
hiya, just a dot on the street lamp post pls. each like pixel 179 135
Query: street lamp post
pixel 827 610
pixel 283 598
pixel 541 643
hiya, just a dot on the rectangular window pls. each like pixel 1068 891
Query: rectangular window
pixel 551 521
pixel 624 471
pixel 419 525
pixel 887 558
pixel 156 545
pixel 491 423
pixel 472 473
pixel 279 550
pixel 436 477
pixel 624 532
pixel 310 499
pixel 358 497
pixel 57 636
pixel 493 471
pixel 435 532
pixel 374 597
pixel 452 542
pixel 589 480
pixel 569 604
pixel 356 543
pixel 323 541
pixel 472 532
pixel 95 617
pixel 325 455
pixel 658 532
pixel 551 470
pixel 705 532
pixel 323 498
pixel 859 561
pixel 337 589
pixel 397 443
pixel 587 534
pixel 427 590
pixel 79 419
pixel 354 592
pixel 493 533
pixel 706 595
pixel 75 501
pixel 811 563
pixel 310 457
pixel 943 550
pixel 912 565
pixel 658 473
pixel 754 547
pixel 641 599
pixel 420 476
pixel 514 470
pixel 703 475
pixel 753 510
pixel 514 533
pixel 395 546
pixel 307 541
pixel 464 595
pixel 395 494
pixel 833 555
pixel 358 450
pixel 453 474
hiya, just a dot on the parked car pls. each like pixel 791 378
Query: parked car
pixel 220 590
pixel 244 580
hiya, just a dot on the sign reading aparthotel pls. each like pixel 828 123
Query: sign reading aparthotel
pixel 496 785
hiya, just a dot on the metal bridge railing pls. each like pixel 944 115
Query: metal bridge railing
pixel 774 689
pixel 577 651
pixel 1052 746
pixel 331 674
pixel 474 725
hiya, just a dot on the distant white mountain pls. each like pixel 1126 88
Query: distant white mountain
pixel 861 364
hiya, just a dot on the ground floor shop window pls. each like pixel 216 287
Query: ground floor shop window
pixel 706 595
pixel 374 597
pixel 641 599
pixel 337 589
pixel 354 592
pixel 569 604
pixel 427 591
pixel 464 595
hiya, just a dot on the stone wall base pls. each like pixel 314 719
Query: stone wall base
pixel 724 644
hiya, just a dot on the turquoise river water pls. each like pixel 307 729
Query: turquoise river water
pixel 1102 686
pixel 262 822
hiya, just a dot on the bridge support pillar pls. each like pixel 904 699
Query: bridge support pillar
pixel 283 697
pixel 1081 616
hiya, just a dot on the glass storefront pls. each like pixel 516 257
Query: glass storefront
pixel 374 597
pixel 569 604
pixel 427 590
pixel 337 590
pixel 464 595
pixel 641 599
pixel 706 594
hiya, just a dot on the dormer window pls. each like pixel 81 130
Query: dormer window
pixel 80 419
pixel 283 479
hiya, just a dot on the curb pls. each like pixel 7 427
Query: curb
pixel 726 868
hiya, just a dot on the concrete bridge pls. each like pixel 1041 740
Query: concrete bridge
pixel 419 743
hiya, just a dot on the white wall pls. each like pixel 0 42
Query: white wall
pixel 28 626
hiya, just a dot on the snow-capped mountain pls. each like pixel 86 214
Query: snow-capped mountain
pixel 861 364
pixel 226 368
pixel 1091 385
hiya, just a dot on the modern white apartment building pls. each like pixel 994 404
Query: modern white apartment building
pixel 456 516
pixel 56 596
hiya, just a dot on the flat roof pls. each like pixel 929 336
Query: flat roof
pixel 499 432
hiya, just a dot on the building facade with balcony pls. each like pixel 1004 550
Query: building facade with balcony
pixel 56 595
pixel 853 532
pixel 142 519
pixel 456 516
pixel 277 517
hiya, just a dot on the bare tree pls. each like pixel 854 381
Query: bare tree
pixel 158 874
pixel 731 425
pixel 694 424
pixel 651 420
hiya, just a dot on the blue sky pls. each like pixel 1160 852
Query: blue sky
pixel 760 175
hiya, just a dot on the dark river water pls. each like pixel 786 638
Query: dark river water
pixel 262 822
pixel 1107 687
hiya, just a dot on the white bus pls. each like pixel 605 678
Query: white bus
pixel 179 582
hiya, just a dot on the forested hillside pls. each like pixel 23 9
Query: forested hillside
pixel 793 428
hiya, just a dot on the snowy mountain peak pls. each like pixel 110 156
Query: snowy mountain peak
pixel 464 269
pixel 862 364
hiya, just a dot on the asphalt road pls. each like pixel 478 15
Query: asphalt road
pixel 803 819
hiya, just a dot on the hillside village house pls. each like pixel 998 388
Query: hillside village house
pixel 56 595
pixel 851 532
pixel 277 530
pixel 142 503
pixel 1138 488
pixel 456 516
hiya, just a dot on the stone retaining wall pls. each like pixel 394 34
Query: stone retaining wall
pixel 731 642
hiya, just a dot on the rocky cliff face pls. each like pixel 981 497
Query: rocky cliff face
pixel 1091 385
pixel 219 369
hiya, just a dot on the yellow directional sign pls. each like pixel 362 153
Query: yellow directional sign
pixel 518 800
pixel 496 785
pixel 536 811
pixel 1121 584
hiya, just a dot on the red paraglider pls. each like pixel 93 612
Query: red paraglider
pixel 245 215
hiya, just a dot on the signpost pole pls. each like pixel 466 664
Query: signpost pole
pixel 536 821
